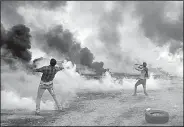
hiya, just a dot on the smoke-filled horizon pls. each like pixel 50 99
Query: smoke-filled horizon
pixel 99 34
pixel 118 34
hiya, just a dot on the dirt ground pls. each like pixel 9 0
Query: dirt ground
pixel 107 109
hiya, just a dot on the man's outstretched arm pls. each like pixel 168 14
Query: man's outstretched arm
pixel 39 69
pixel 59 68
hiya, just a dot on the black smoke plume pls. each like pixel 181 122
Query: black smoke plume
pixel 98 66
pixel 86 57
pixel 62 40
pixel 18 42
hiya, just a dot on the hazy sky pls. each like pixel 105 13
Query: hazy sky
pixel 118 33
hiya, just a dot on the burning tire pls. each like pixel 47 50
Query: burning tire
pixel 156 116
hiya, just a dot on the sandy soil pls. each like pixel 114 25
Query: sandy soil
pixel 110 108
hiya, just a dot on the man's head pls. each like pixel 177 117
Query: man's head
pixel 53 62
pixel 144 64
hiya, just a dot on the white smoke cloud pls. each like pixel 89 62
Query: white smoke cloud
pixel 11 100
pixel 20 92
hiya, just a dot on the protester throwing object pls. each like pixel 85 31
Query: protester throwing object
pixel 47 83
pixel 142 78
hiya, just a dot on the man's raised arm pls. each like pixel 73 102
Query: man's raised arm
pixel 139 69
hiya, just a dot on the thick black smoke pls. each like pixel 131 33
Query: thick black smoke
pixel 86 57
pixel 18 42
pixel 98 66
pixel 155 26
pixel 61 40
pixel 64 42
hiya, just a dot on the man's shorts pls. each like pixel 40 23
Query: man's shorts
pixel 142 81
pixel 46 85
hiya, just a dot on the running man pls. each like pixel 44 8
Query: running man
pixel 142 78
pixel 47 83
